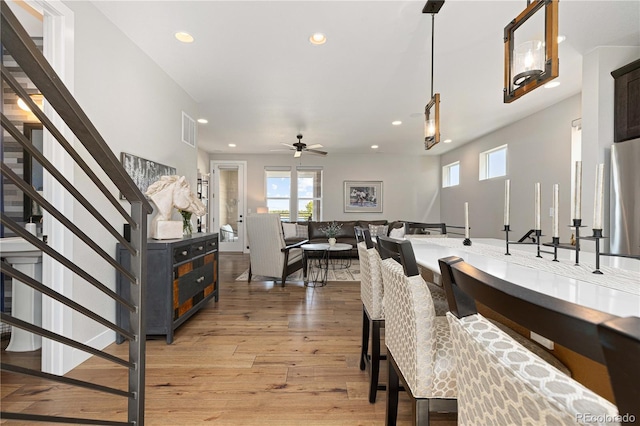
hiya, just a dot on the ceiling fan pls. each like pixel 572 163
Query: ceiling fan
pixel 300 146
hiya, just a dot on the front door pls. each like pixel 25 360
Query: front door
pixel 229 203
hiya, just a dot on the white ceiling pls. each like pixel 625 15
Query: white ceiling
pixel 259 81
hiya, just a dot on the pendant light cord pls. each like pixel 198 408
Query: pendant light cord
pixel 433 23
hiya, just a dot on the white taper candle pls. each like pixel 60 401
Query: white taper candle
pixel 556 230
pixel 537 206
pixel 507 190
pixel 466 220
pixel 577 195
pixel 599 196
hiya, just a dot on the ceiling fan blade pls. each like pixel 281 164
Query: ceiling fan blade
pixel 297 154
pixel 316 152
pixel 287 144
pixel 273 150
pixel 314 146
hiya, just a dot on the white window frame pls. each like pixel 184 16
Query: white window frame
pixel 318 199
pixel 291 183
pixel 446 175
pixel 293 192
pixel 484 169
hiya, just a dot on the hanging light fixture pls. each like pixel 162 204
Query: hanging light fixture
pixel 531 57
pixel 432 109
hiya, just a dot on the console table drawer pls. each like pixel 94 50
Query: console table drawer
pixel 180 254
pixel 212 244
pixel 194 282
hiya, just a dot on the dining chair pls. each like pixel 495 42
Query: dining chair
pixel 500 382
pixel 268 254
pixel 419 349
pixel 371 294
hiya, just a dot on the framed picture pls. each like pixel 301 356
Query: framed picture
pixel 144 172
pixel 362 196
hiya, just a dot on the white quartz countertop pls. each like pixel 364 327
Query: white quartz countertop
pixel 617 291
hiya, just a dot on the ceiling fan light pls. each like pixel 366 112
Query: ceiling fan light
pixel 297 154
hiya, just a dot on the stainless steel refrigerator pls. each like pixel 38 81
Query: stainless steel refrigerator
pixel 625 198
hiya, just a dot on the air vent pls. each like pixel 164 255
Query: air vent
pixel 188 130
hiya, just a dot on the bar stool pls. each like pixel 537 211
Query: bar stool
pixel 419 349
pixel 371 294
pixel 502 382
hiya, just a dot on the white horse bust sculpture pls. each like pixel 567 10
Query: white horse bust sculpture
pixel 167 193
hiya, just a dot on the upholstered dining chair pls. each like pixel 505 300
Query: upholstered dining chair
pixel 500 382
pixel 419 349
pixel 371 293
pixel 268 253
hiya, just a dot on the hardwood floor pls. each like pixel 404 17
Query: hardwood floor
pixel 262 355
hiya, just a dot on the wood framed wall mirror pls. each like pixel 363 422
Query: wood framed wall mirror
pixel 33 171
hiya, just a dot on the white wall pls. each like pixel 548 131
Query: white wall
pixel 410 183
pixel 539 150
pixel 136 108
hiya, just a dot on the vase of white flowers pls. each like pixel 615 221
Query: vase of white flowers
pixel 331 231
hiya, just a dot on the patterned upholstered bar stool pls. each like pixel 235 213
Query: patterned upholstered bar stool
pixel 419 350
pixel 371 293
pixel 500 382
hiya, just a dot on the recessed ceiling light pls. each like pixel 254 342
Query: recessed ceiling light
pixel 184 37
pixel 203 120
pixel 23 105
pixel 396 123
pixel 232 145
pixel 318 38
pixel 561 38
pixel 374 146
pixel 552 84
pixel 447 141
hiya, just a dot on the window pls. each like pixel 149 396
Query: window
pixel 309 194
pixel 493 163
pixel 451 175
pixel 294 195
pixel 278 192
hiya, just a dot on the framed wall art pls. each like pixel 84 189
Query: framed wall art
pixel 144 172
pixel 362 196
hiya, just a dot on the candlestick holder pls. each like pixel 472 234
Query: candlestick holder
pixel 597 236
pixel 577 224
pixel 556 242
pixel 538 234
pixel 466 242
pixel 506 239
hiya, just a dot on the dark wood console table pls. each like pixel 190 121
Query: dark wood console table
pixel 182 276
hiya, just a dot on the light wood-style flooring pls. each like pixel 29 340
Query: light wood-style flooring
pixel 262 355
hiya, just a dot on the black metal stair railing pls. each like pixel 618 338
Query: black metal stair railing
pixel 31 61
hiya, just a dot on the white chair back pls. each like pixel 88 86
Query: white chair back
pixel 418 341
pixel 500 382
pixel 266 240
pixel 371 288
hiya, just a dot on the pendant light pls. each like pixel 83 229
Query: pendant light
pixel 432 109
pixel 531 54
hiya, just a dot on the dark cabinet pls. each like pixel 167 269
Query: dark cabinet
pixel 182 276
pixel 627 102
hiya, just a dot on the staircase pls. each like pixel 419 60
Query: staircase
pixel 106 179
